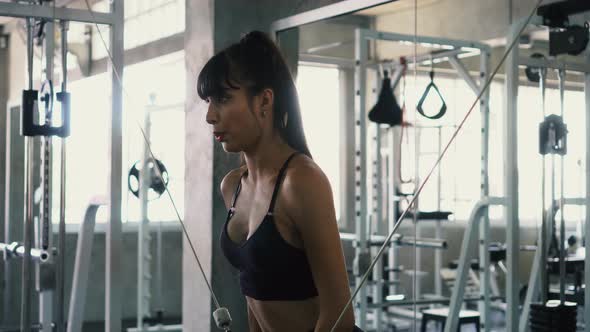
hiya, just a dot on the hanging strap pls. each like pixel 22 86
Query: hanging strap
pixel 443 108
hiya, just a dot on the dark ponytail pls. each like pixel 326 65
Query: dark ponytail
pixel 256 63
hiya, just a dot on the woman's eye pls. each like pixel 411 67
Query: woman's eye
pixel 221 100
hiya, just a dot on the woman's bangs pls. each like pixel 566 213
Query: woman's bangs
pixel 214 80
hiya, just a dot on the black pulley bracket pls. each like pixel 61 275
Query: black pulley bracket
pixel 553 136
pixel 30 104
pixel 572 40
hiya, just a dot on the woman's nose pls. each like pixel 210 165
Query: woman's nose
pixel 211 116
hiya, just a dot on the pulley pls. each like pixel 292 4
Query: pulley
pixel 156 186
pixel 533 73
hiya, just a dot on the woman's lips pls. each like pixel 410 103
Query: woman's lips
pixel 219 136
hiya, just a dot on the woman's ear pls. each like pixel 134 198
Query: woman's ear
pixel 267 100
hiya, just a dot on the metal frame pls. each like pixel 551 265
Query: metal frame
pixel 511 183
pixel 115 20
pixel 143 233
pixel 587 227
pixel 360 164
pixel 82 266
pixel 362 184
pixel 13 9
pixel 514 322
pixel 479 212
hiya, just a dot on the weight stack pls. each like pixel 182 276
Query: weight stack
pixel 553 316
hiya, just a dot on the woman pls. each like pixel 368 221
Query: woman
pixel 281 230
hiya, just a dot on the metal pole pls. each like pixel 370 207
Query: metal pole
pixel 158 304
pixel 544 284
pixel 377 210
pixel 438 226
pixel 361 219
pixel 562 255
pixel 484 229
pixel 393 171
pixel 26 276
pixel 113 264
pixel 538 274
pixel 587 227
pixel 143 234
pixel 46 211
pixel 45 289
pixel 511 182
pixel 416 280
pixel 61 326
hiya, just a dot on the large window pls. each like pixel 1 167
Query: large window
pixel 319 97
pixel 87 148
pixel 460 169
pixel 145 21
pixel 161 81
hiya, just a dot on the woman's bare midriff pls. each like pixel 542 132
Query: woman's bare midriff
pixel 285 316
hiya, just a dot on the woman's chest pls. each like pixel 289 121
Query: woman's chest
pixel 249 217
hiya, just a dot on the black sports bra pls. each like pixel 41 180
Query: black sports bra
pixel 270 268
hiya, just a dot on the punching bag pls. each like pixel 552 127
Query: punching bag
pixel 386 110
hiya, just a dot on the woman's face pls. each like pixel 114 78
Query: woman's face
pixel 234 120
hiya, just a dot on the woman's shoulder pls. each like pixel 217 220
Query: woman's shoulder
pixel 306 193
pixel 303 174
pixel 230 182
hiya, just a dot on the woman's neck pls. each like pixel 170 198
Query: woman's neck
pixel 267 158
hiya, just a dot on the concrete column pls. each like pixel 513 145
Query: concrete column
pixel 4 81
pixel 196 302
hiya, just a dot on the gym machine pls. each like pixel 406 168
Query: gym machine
pixel 37 251
pixel 37 246
pixel 513 323
pixel 364 215
pixel 568 33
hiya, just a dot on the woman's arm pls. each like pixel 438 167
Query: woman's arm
pixel 309 202
pixel 253 325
